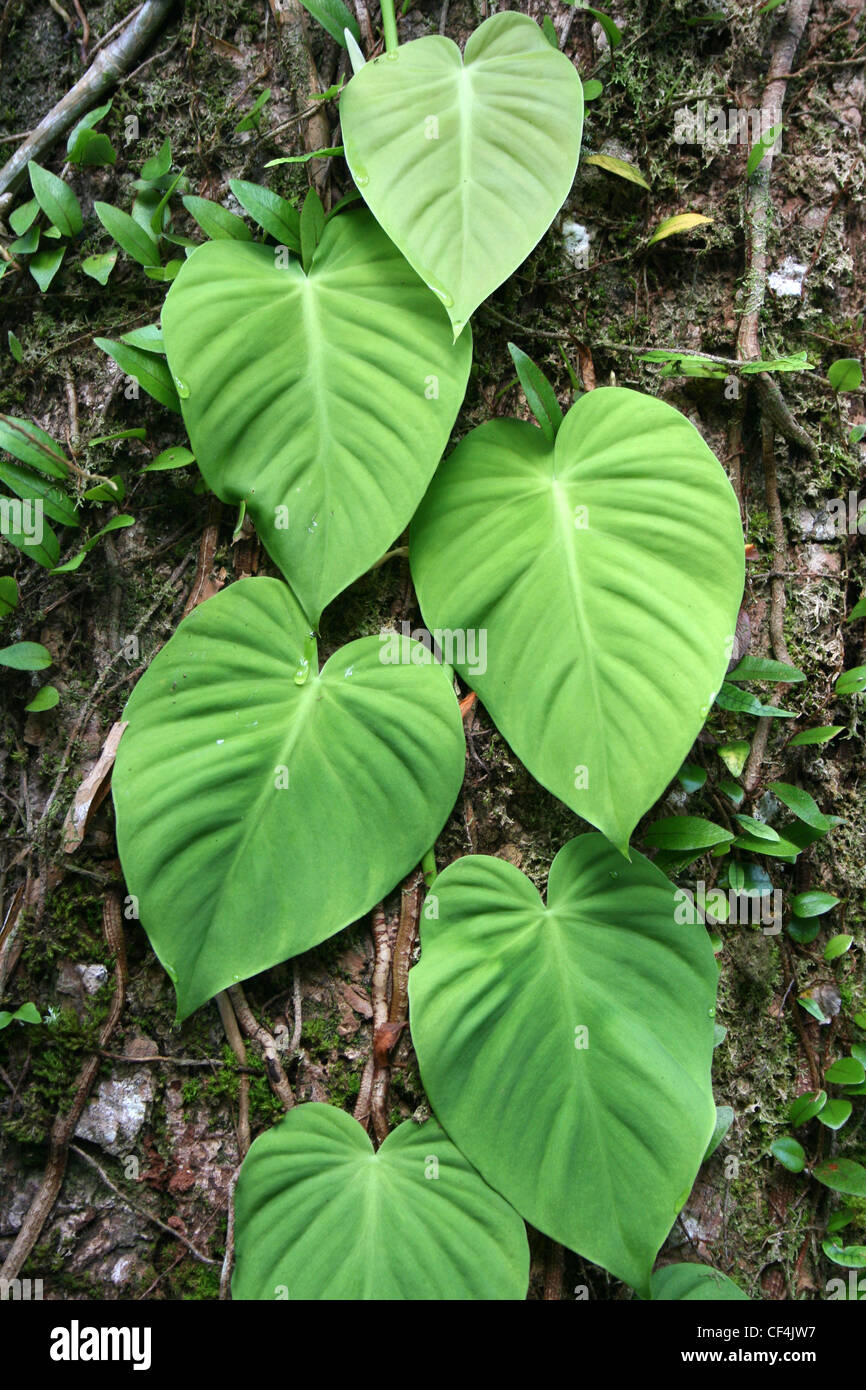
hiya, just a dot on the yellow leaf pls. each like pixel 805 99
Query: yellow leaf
pixel 618 166
pixel 682 222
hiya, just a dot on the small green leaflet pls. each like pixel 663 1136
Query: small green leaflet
pixel 836 1113
pixel 149 339
pixel 734 755
pixel 843 1175
pixel 691 776
pixel 804 806
pixel 790 1153
pixel 27 1013
pixel 845 374
pixel 858 611
pixel 216 221
pixel 730 697
pixel 25 656
pixel 806 1107
pixel 44 699
pixel 539 393
pixel 335 17
pixel 761 149
pixel 100 267
pixel 685 832
pixel 157 167
pixel 21 219
pixel 45 265
pixel 820 735
pixel 812 903
pixel 128 233
pixel 312 225
pixel 851 682
pixel 275 214
pixel 115 524
pixel 8 595
pixel 149 370
pixel 56 200
pixel 760 668
pixel 757 828
pixel 837 946
pixel 174 457
pixel 611 31
pixel 846 1071
pixel 251 120
pixel 325 153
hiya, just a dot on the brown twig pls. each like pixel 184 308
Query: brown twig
pixel 257 1033
pixel 103 73
pixel 236 1043
pixel 379 1000
pixel 142 1210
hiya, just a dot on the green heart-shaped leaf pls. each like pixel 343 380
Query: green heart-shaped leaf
pixel 323 401
pixel 696 1284
pixel 319 1215
pixel 257 815
pixel 605 573
pixel 465 162
pixel 566 1049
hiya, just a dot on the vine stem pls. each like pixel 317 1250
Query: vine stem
pixel 389 24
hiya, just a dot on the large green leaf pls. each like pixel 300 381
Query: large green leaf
pixel 606 571
pixel 319 1215
pixel 465 161
pixel 566 1049
pixel 323 401
pixel 696 1284
pixel 257 815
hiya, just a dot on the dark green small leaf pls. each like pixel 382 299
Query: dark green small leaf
pixel 842 1175
pixel 812 903
pixel 217 222
pixel 100 267
pixel 157 167
pixel 251 120
pixel 692 777
pixel 761 149
pixel 25 656
pixel 45 265
pixel 56 200
pixel 149 370
pixel 789 1153
pixel 730 697
pixel 176 456
pixel 549 31
pixel 846 1071
pixel 845 374
pixel 129 234
pixel 275 214
pixel 21 220
pixel 334 16
pixel 8 595
pixel 312 224
pixel 838 946
pixel 806 1107
pixel 819 735
pixel 115 524
pixel 760 668
pixel 851 682
pixel 44 699
pixel 539 393
pixel 685 833
pixel 836 1113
